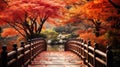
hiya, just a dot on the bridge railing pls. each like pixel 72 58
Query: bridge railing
pixel 91 56
pixel 21 57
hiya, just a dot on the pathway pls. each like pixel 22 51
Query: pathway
pixel 57 59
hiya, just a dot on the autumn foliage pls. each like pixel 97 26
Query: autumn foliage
pixel 9 32
pixel 99 19
pixel 101 40
pixel 30 16
pixel 100 15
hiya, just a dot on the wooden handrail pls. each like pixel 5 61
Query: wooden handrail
pixel 21 57
pixel 90 55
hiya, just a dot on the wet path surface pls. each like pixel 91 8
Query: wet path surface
pixel 57 59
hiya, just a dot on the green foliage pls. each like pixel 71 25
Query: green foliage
pixel 50 34
pixel 73 35
pixel 41 35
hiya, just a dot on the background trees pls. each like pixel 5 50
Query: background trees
pixel 108 17
pixel 100 17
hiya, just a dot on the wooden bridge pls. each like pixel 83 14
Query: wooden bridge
pixel 77 53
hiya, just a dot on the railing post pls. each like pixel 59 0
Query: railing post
pixel 109 58
pixel 23 52
pixel 84 58
pixel 66 44
pixel 16 54
pixel 81 47
pixel 89 44
pixel 45 45
pixel 4 57
pixel 32 49
pixel 94 59
pixel 29 42
pixel 81 40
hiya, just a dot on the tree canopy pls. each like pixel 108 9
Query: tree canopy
pixel 101 17
pixel 96 20
pixel 28 17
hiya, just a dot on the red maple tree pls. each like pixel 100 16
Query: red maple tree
pixel 30 16
pixel 103 16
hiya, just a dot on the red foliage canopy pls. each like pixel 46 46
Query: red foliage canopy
pixel 34 8
pixel 9 32
pixel 30 15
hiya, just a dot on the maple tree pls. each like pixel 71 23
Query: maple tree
pixel 108 16
pixel 29 16
pixel 102 16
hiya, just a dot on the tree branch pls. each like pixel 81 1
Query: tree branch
pixel 13 27
pixel 16 29
pixel 115 5
pixel 42 20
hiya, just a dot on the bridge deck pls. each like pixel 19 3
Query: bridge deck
pixel 57 59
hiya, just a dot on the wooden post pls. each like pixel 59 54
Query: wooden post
pixel 65 46
pixel 81 48
pixel 45 45
pixel 16 54
pixel 32 48
pixel 23 52
pixel 4 56
pixel 109 57
pixel 89 44
pixel 81 40
pixel 29 42
pixel 94 59
pixel 84 58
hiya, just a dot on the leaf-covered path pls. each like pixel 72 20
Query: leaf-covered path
pixel 57 59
